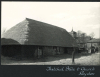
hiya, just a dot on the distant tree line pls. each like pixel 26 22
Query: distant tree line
pixel 83 37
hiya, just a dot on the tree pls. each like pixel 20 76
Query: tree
pixel 73 55
pixel 79 33
pixel 92 35
pixel 82 38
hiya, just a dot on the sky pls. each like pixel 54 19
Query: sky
pixel 83 16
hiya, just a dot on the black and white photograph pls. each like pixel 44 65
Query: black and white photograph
pixel 50 33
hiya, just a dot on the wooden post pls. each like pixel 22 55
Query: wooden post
pixel 22 51
pixel 73 55
pixel 42 52
pixel 38 52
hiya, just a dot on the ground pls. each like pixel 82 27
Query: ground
pixel 65 59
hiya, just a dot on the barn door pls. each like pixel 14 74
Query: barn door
pixel 40 52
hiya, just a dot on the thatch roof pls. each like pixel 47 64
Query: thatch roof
pixel 32 32
pixel 8 42
pixel 94 41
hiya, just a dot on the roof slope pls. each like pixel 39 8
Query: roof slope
pixel 32 32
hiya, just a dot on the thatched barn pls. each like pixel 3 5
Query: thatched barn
pixel 34 38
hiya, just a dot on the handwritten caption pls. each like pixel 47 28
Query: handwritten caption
pixel 82 70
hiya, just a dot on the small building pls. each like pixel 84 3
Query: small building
pixel 32 38
pixel 93 43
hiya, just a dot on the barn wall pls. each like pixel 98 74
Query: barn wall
pixel 48 51
pixel 10 50
pixel 35 53
pixel 70 50
pixel 62 50
pixel 31 50
pixel 28 50
pixel 38 53
pixel 53 51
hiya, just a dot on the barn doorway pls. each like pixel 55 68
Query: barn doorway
pixel 40 51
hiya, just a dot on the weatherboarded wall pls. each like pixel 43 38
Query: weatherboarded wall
pixel 31 51
pixel 48 51
pixel 62 50
pixel 53 51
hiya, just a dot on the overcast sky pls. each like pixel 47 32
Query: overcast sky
pixel 84 16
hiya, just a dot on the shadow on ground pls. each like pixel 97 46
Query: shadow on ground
pixel 8 60
pixel 60 57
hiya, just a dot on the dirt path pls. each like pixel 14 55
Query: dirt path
pixel 66 59
pixel 93 59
